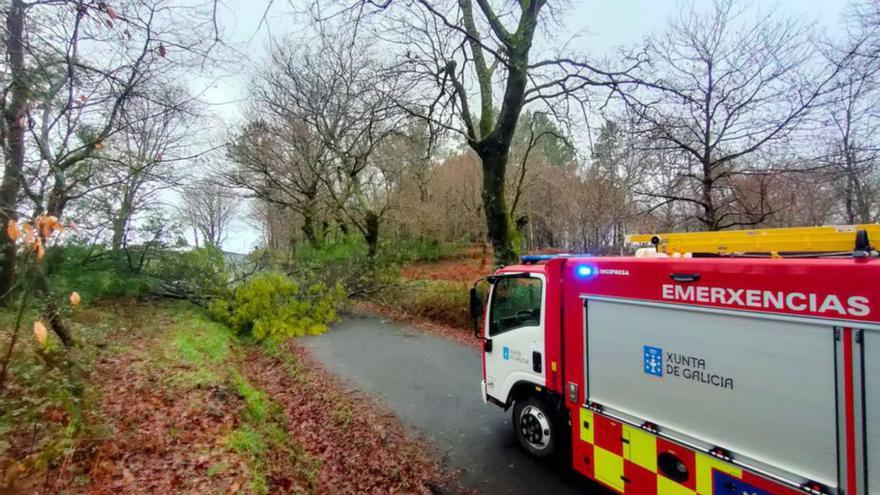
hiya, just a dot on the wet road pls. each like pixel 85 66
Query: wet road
pixel 433 385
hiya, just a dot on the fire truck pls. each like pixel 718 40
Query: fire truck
pixel 709 363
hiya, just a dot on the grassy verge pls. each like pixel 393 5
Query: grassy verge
pixel 163 400
pixel 155 399
pixel 206 355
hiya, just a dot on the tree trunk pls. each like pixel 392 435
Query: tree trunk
pixel 120 223
pixel 710 214
pixel 308 230
pixel 371 233
pixel 502 233
pixel 14 147
pixel 343 227
pixel 57 198
pixel 51 310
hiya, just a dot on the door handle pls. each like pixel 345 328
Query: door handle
pixel 536 361
pixel 487 345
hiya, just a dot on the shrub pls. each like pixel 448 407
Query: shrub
pixel 438 300
pixel 95 272
pixel 100 273
pixel 345 263
pixel 198 274
pixel 272 306
pixel 405 250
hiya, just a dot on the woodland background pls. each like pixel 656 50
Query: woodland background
pixel 390 153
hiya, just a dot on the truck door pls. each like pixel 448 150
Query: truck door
pixel 515 333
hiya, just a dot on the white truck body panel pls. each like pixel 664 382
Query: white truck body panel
pixel 757 386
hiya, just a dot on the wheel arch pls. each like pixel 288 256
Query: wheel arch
pixel 524 389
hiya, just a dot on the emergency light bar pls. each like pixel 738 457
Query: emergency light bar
pixel 533 259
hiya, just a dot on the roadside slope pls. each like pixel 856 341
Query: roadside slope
pixel 176 403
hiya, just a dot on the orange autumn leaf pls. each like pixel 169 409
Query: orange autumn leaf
pixel 74 298
pixel 40 332
pixel 12 230
pixel 39 249
pixel 47 224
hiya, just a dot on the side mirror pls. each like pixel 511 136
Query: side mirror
pixel 476 309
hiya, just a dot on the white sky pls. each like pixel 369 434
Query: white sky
pixel 604 25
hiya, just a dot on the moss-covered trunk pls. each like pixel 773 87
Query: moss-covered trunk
pixel 371 233
pixel 502 233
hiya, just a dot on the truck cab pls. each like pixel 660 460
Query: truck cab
pixel 692 374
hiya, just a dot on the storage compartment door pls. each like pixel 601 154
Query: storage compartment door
pixel 871 362
pixel 762 388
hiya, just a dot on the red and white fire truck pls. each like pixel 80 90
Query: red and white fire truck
pixel 711 363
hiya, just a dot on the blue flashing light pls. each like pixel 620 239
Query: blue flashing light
pixel 535 258
pixel 585 271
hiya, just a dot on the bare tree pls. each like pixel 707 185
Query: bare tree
pixel 209 208
pixel 724 89
pixel 851 133
pixel 472 71
pixel 140 162
pixel 337 92
pixel 281 163
pixel 83 62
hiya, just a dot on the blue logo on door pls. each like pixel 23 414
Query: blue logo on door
pixel 653 361
pixel 506 352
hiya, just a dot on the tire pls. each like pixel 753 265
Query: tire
pixel 534 427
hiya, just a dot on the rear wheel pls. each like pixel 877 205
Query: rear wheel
pixel 533 423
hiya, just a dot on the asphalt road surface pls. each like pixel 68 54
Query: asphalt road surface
pixel 434 387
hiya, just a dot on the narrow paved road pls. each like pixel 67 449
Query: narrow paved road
pixel 433 385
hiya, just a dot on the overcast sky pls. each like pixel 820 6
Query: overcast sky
pixel 604 25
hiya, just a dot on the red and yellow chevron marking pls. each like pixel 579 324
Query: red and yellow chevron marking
pixel 625 458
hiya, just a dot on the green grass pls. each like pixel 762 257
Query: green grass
pixel 202 342
pixel 263 429
pixel 195 349
pixel 247 441
pixel 203 353
pixel 218 468
pixel 257 405
pixel 438 300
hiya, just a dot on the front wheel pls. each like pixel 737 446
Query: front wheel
pixel 533 423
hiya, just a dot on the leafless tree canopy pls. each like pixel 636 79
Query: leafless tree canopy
pixel 209 209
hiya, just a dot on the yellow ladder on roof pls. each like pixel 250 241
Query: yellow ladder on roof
pixel 826 239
